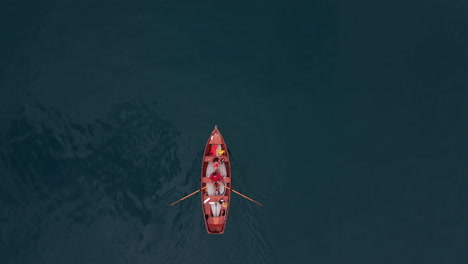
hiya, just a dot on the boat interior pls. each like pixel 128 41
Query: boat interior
pixel 215 196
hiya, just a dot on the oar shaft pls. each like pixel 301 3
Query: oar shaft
pixel 246 197
pixel 242 195
pixel 187 196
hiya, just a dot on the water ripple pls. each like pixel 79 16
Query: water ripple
pixel 80 192
pixel 57 171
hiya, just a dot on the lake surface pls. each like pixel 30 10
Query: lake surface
pixel 348 120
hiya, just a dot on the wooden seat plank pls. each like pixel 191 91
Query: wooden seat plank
pixel 210 158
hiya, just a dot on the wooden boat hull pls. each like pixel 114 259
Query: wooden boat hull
pixel 215 205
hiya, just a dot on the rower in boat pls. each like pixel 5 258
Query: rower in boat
pixel 216 179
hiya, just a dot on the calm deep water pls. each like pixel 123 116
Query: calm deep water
pixel 348 120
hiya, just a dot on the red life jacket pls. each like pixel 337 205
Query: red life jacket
pixel 216 177
pixel 213 150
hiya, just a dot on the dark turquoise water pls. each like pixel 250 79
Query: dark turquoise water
pixel 348 120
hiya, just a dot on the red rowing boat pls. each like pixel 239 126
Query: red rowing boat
pixel 215 183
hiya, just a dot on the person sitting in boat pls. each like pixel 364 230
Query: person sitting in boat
pixel 216 163
pixel 215 178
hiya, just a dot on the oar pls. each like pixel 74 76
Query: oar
pixel 187 196
pixel 242 195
